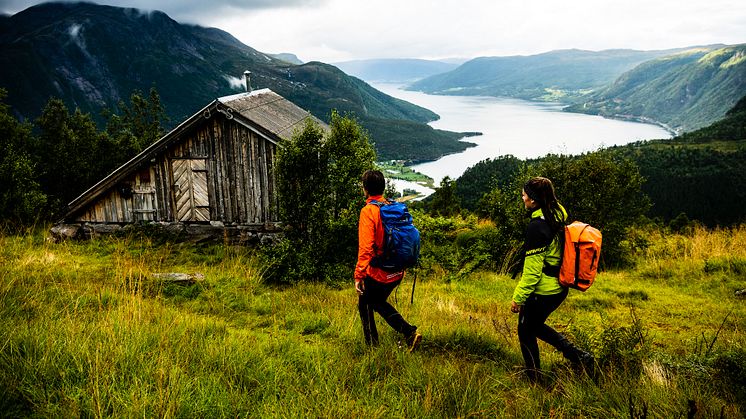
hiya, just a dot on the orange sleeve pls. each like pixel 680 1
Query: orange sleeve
pixel 369 219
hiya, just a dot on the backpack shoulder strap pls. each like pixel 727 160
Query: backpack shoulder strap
pixel 379 204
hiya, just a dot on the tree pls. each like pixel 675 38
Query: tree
pixel 72 153
pixel 318 175
pixel 302 183
pixel 350 155
pixel 21 198
pixel 485 176
pixel 445 201
pixel 602 190
pixel 598 188
pixel 137 125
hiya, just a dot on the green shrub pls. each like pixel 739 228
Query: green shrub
pixel 462 245
pixel 319 199
pixel 728 264
pixel 730 366
pixel 623 347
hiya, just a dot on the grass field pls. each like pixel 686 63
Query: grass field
pixel 87 330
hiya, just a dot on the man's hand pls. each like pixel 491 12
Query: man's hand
pixel 359 286
pixel 514 307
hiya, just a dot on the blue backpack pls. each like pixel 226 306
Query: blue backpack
pixel 401 243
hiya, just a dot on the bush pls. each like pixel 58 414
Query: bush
pixel 461 245
pixel 616 348
pixel 602 190
pixel 729 264
pixel 623 347
pixel 318 174
pixel 730 367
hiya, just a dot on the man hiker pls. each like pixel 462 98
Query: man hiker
pixel 373 284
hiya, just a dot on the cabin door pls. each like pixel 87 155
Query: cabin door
pixel 190 190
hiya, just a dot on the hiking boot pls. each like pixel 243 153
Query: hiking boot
pixel 413 341
pixel 585 362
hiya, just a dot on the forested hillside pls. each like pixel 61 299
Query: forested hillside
pixel 730 128
pixel 93 57
pixel 556 75
pixel 685 91
pixel 698 174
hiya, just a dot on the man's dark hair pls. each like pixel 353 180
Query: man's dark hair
pixel 374 182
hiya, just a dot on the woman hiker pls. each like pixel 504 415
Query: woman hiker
pixel 373 284
pixel 539 292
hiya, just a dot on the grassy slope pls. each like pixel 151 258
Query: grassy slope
pixel 83 331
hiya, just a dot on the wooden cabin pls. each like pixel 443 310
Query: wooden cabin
pixel 211 175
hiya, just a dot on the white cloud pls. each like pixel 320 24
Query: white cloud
pixel 337 30
pixel 342 30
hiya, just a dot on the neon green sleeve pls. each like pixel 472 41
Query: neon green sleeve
pixel 532 267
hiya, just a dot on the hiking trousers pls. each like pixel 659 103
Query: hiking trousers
pixel 374 299
pixel 531 325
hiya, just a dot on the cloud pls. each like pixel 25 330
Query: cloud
pixel 190 10
pixel 339 30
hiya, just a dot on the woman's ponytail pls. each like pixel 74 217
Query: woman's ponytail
pixel 541 191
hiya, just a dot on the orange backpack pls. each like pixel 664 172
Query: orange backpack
pixel 580 254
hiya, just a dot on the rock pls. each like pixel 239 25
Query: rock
pixel 178 277
pixel 62 232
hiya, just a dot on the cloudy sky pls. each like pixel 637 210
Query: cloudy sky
pixel 340 30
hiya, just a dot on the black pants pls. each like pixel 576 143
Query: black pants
pixel 373 300
pixel 531 326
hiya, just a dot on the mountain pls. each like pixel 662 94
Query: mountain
pixel 685 91
pixel 94 56
pixel 394 70
pixel 556 75
pixel 287 57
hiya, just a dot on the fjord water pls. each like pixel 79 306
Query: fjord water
pixel 511 126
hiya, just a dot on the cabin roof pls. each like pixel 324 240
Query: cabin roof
pixel 268 110
pixel 263 111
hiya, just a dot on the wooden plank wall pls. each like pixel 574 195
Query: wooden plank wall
pixel 139 204
pixel 240 180
pixel 241 175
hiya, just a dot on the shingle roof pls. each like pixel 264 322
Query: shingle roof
pixel 269 110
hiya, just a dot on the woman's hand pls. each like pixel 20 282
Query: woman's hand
pixel 359 286
pixel 514 307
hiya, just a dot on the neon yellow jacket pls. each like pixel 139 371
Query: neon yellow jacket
pixel 542 248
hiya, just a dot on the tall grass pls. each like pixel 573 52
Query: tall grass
pixel 86 329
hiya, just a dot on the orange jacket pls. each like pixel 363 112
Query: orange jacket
pixel 370 244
